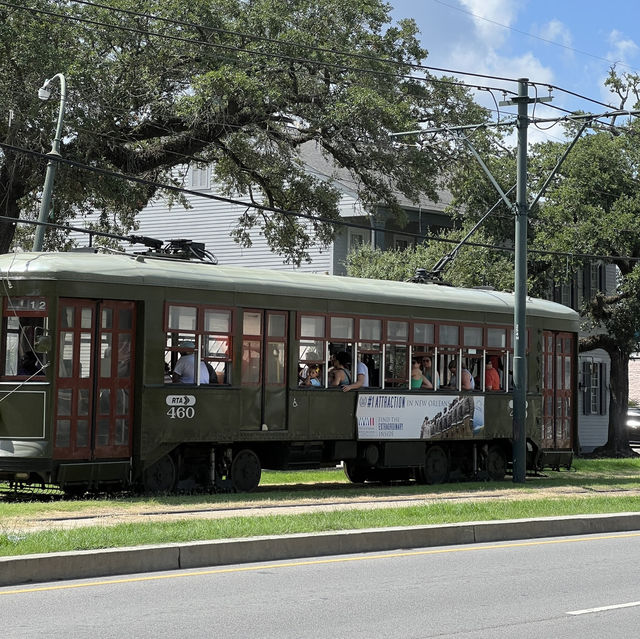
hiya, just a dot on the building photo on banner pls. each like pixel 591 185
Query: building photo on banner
pixel 412 417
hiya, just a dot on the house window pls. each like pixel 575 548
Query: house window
pixel 357 238
pixel 593 280
pixel 200 178
pixel 400 243
pixel 593 388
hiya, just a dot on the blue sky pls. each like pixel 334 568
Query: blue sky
pixel 568 43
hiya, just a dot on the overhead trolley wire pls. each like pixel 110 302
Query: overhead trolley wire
pixel 278 56
pixel 266 208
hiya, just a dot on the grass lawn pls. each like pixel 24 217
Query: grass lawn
pixel 579 491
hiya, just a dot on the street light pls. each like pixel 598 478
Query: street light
pixel 44 93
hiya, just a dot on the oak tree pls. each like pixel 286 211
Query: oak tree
pixel 239 85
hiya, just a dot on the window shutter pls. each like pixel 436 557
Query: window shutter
pixel 586 388
pixel 586 282
pixel 603 389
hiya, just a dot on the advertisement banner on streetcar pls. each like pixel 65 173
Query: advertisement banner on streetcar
pixel 410 417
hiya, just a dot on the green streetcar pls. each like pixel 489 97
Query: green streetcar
pixel 93 394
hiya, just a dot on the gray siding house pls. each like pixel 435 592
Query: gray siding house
pixel 211 222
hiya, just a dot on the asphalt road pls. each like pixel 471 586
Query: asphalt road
pixel 584 587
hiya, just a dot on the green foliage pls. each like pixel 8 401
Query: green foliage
pixel 241 85
pixel 472 266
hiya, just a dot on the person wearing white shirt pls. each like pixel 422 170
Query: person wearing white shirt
pixel 184 370
pixel 362 378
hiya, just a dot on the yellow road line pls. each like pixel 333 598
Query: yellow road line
pixel 317 562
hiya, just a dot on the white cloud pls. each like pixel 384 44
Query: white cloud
pixel 555 31
pixel 624 48
pixel 490 17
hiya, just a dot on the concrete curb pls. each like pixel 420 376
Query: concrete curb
pixel 119 561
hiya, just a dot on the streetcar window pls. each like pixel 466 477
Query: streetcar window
pixel 24 325
pixel 107 318
pixel 275 362
pixel 341 328
pixel 423 333
pixel 311 351
pixel 277 325
pixel 397 331
pixel 472 336
pixel 449 335
pixel 371 330
pixel 312 326
pixel 208 331
pixel 312 347
pixel 497 337
pixel 183 318
pixel 396 366
pixel 252 323
pixel 275 357
pixel 251 355
pixel 251 347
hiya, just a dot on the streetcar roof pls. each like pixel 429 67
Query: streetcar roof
pixel 143 270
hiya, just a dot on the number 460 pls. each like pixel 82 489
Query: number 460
pixel 181 412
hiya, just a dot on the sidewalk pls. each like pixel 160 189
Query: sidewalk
pixel 184 556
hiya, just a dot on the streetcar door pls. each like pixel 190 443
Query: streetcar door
pixel 558 383
pixel 94 379
pixel 264 357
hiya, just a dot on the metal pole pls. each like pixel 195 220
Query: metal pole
pixel 45 204
pixel 520 328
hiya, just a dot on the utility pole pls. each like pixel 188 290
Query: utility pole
pixel 520 310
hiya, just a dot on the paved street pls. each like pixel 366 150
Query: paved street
pixel 535 588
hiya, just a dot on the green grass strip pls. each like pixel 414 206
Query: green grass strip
pixel 130 534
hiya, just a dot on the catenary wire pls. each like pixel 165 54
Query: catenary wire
pixel 278 56
pixel 531 35
pixel 270 209
pixel 346 54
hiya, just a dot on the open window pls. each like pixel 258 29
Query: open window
pixel 25 339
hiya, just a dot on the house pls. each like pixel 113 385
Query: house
pixel 211 222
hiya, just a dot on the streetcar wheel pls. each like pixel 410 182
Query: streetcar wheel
pixel 436 465
pixel 355 472
pixel 496 463
pixel 160 477
pixel 245 471
pixel 75 491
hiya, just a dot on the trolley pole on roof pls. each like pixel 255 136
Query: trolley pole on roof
pixel 519 320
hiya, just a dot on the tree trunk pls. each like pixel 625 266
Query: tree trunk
pixel 618 438
pixel 11 190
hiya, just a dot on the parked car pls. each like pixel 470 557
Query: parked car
pixel 633 423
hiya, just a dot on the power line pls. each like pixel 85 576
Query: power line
pixel 277 56
pixel 271 209
pixel 352 55
pixel 531 35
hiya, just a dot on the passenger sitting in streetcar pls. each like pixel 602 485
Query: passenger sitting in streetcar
pixel 418 379
pixel 313 377
pixel 28 364
pixel 467 378
pixel 213 376
pixel 184 371
pixel 429 373
pixel 362 377
pixel 491 377
pixel 339 374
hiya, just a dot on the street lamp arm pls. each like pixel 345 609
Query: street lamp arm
pixel 44 93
